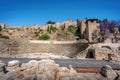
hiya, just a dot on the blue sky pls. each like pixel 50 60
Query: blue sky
pixel 29 12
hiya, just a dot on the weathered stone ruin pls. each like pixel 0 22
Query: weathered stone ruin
pixel 109 52
pixel 47 69
pixel 109 73
pixel 36 70
pixel 87 28
pixel 87 47
pixel 61 48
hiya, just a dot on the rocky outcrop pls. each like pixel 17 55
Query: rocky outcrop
pixel 2 65
pixel 13 63
pixel 108 72
pixel 118 75
pixel 36 70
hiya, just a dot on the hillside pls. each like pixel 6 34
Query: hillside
pixel 50 31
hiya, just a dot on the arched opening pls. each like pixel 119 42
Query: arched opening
pixel 90 54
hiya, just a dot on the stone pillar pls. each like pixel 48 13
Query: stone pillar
pixel 90 27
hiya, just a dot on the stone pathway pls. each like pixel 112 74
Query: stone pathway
pixel 76 63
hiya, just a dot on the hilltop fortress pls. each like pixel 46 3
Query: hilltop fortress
pixel 78 39
pixel 85 28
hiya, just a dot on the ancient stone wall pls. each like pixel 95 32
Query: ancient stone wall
pixel 87 28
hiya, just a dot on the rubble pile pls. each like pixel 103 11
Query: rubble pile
pixel 35 70
pixel 47 69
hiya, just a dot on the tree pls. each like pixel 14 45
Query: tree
pixel 50 22
pixel 106 25
pixel 44 37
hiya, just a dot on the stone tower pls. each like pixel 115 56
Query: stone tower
pixel 87 28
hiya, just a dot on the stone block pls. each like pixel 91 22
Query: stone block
pixel 108 72
pixel 13 63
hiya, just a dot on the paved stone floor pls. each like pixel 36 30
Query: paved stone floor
pixel 76 63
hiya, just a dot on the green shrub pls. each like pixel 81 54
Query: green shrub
pixel 72 29
pixel 38 31
pixel 5 37
pixel 44 37
pixel 51 29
